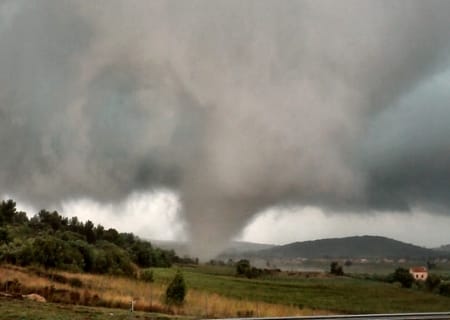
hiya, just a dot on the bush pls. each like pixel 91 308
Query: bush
pixel 75 283
pixel 176 291
pixel 336 269
pixel 254 273
pixel 243 267
pixel 444 289
pixel 147 275
pixel 433 281
pixel 404 277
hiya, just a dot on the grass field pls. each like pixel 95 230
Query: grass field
pixel 118 292
pixel 11 309
pixel 215 292
pixel 339 295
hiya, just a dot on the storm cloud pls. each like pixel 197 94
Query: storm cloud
pixel 235 106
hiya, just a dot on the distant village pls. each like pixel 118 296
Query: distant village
pixel 417 267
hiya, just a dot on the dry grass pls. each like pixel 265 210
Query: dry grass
pixel 119 292
pixel 12 272
pixel 214 305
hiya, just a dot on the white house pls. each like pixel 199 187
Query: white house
pixel 419 273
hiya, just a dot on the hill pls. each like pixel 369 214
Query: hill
pixel 50 240
pixel 234 248
pixel 237 247
pixel 444 248
pixel 349 247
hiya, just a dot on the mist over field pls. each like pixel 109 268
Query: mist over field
pixel 230 107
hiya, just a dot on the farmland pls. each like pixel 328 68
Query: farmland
pixel 214 291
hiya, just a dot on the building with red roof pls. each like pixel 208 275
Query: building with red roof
pixel 419 273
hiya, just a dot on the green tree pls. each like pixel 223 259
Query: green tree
pixel 48 251
pixel 336 269
pixel 176 291
pixel 110 258
pixel 404 277
pixel 89 232
pixel 4 236
pixel 20 217
pixel 50 219
pixel 87 254
pixel 7 211
pixel 75 225
pixel 113 236
pixel 433 281
pixel 25 255
pixel 243 267
pixel 142 254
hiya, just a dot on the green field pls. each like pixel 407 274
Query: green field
pixel 340 295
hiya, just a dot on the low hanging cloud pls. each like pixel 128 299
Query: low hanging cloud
pixel 235 106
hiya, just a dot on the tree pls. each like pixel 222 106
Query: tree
pixel 75 225
pixel 7 211
pixel 433 281
pixel 336 269
pixel 142 254
pixel 48 251
pixel 4 236
pixel 53 241
pixel 87 253
pixel 51 219
pixel 89 232
pixel 176 291
pixel 243 267
pixel 20 217
pixel 113 236
pixel 404 277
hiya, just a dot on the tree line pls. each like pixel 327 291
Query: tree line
pixel 50 240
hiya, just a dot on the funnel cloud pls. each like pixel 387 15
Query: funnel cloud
pixel 234 106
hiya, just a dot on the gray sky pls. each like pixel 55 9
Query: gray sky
pixel 337 111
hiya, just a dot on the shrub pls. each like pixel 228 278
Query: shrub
pixel 58 278
pixel 253 273
pixel 176 291
pixel 243 267
pixel 433 281
pixel 404 277
pixel 336 269
pixel 75 282
pixel 444 289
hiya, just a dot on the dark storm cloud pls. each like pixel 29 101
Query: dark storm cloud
pixel 407 153
pixel 235 105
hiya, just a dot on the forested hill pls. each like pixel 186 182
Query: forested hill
pixel 350 247
pixel 53 241
pixel 445 248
